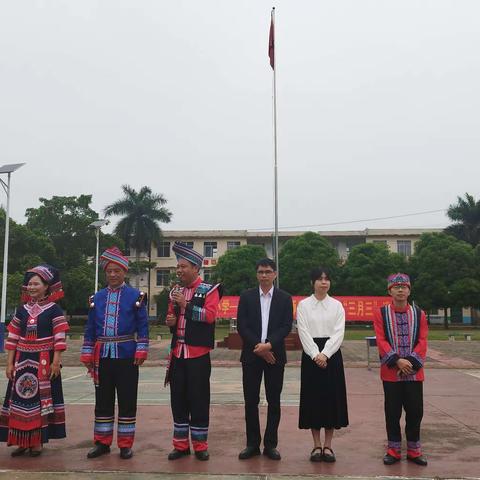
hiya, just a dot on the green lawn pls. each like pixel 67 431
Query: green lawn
pixel 351 333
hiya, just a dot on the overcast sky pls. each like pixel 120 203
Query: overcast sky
pixel 378 107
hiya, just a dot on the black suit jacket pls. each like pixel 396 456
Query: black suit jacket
pixel 249 323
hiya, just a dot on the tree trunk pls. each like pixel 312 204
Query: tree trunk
pixel 137 276
pixel 149 271
pixel 445 318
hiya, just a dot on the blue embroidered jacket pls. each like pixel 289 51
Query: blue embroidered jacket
pixel 121 314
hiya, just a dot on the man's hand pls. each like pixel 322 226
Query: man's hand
pixel 171 320
pixel 262 348
pixel 321 360
pixel 179 297
pixel 269 357
pixel 138 361
pixel 9 371
pixel 88 365
pixel 405 367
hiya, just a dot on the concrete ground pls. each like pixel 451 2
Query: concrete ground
pixel 450 430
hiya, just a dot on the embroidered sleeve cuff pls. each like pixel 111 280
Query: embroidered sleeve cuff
pixel 9 345
pixel 60 324
pixel 390 359
pixel 86 353
pixel 86 358
pixel 416 361
pixel 142 348
pixel 141 354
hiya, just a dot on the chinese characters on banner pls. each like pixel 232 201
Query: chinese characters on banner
pixel 357 309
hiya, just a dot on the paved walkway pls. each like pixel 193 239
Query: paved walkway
pixel 441 354
pixel 451 432
pixel 451 427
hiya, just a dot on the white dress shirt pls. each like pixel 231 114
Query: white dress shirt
pixel 320 318
pixel 265 302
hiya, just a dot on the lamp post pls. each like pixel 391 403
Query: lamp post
pixel 97 225
pixel 8 169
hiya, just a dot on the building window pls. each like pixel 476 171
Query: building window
pixel 163 277
pixel 382 242
pixel 233 244
pixel 188 244
pixel 163 249
pixel 207 274
pixel 209 249
pixel 404 247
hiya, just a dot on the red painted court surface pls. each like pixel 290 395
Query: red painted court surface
pixel 451 430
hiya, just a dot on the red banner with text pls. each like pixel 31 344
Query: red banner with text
pixel 357 309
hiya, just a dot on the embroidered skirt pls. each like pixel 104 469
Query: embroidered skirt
pixel 33 410
pixel 323 394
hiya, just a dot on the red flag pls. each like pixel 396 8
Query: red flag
pixel 271 42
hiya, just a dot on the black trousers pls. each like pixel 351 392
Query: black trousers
pixel 190 400
pixel 409 396
pixel 120 376
pixel 252 379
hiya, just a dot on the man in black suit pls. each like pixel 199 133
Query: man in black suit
pixel 264 319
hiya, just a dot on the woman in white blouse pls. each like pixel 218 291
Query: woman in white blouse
pixel 323 397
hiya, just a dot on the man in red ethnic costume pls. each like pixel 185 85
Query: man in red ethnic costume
pixel 402 332
pixel 116 344
pixel 191 317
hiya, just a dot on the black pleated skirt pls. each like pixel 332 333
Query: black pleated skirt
pixel 323 394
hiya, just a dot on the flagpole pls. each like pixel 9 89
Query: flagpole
pixel 272 52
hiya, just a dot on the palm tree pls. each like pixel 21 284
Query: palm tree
pixel 142 211
pixel 465 215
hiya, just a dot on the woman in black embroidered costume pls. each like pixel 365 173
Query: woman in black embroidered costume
pixel 33 411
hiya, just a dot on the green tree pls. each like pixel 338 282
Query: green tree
pixel 65 221
pixel 366 270
pixel 299 256
pixel 465 215
pixel 27 248
pixel 236 268
pixel 14 290
pixel 444 273
pixel 141 211
pixel 78 284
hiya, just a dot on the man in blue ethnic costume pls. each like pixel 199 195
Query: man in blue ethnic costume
pixel 191 315
pixel 33 411
pixel 402 333
pixel 115 345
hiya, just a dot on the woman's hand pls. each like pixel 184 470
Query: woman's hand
pixel 54 370
pixel 9 370
pixel 321 360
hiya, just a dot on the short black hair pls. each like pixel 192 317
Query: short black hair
pixel 317 273
pixel 266 262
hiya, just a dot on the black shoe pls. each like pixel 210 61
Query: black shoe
pixel 421 460
pixel 248 452
pixel 328 457
pixel 390 459
pixel 18 452
pixel 272 453
pixel 202 455
pixel 98 450
pixel 316 454
pixel 126 453
pixel 176 454
pixel 35 453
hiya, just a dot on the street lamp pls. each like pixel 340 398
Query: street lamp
pixel 8 169
pixel 97 225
